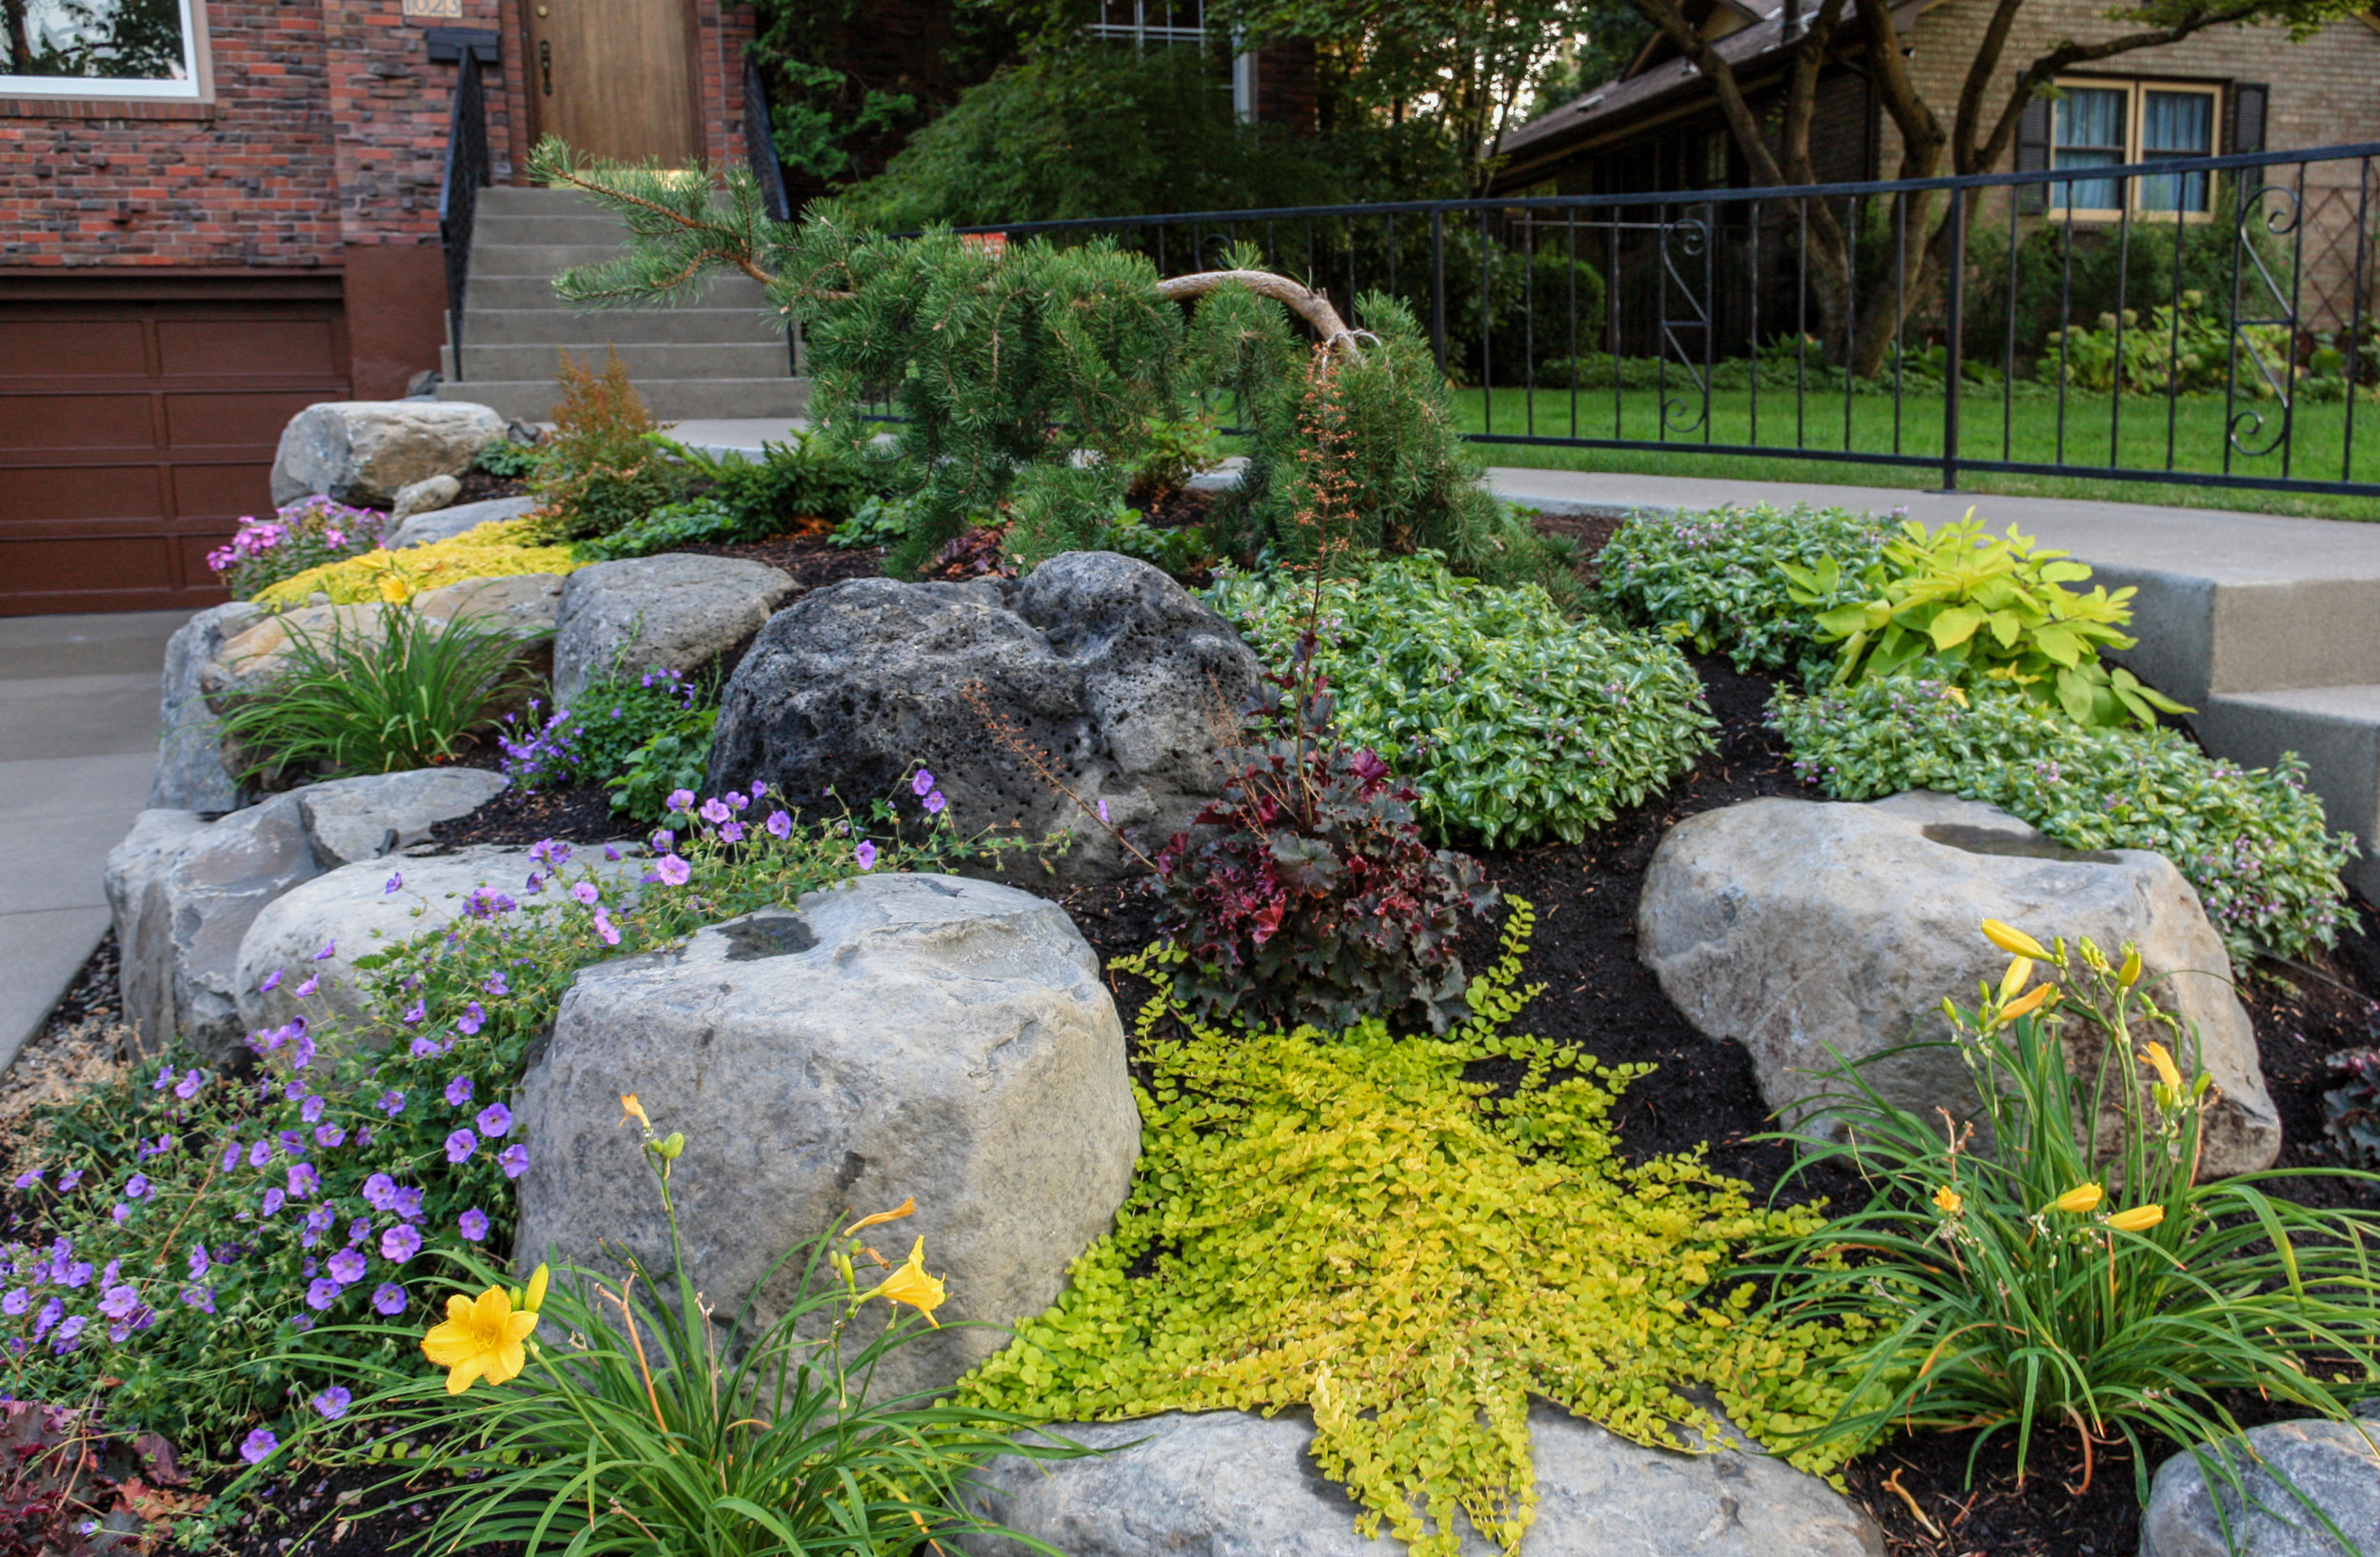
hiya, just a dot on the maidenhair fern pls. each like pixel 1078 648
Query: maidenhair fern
pixel 1347 1223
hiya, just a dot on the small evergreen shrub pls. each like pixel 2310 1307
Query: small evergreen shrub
pixel 1305 895
pixel 1512 723
pixel 301 536
pixel 1714 578
pixel 498 549
pixel 2250 840
pixel 1345 1223
pixel 600 471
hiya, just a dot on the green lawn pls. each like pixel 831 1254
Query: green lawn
pixel 2029 426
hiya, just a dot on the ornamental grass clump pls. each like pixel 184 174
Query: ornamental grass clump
pixel 198 1234
pixel 1343 1222
pixel 2023 1277
pixel 1716 579
pixel 1512 724
pixel 593 1411
pixel 2252 840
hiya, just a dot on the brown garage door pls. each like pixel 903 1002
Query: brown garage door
pixel 135 431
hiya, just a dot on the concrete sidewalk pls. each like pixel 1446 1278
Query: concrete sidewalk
pixel 78 743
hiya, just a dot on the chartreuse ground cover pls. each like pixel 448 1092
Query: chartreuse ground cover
pixel 1346 1222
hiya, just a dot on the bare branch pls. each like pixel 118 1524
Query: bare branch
pixel 1308 304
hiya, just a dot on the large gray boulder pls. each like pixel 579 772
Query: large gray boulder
pixel 368 907
pixel 1804 930
pixel 1229 1483
pixel 2332 1465
pixel 1100 661
pixel 897 1036
pixel 365 451
pixel 349 820
pixel 191 773
pixel 185 891
pixel 677 610
pixel 446 524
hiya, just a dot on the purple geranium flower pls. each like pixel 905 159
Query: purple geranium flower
pixel 165 1079
pixel 604 928
pixel 311 1109
pixel 472 1019
pixel 496 983
pixel 200 1298
pixel 586 892
pixel 311 984
pixel 329 1136
pixel 732 832
pixel 332 1403
pixel 274 1199
pixel 422 1048
pixel 495 1120
pixel 401 1243
pixel 514 1159
pixel 321 1293
pixel 391 1103
pixel 304 1181
pixel 258 1447
pixel 330 948
pixel 272 981
pixel 674 870
pixel 472 1224
pixel 408 1204
pixel 136 1186
pixel 198 1261
pixel 714 811
pixel 188 1088
pixel 460 1145
pixel 416 1013
pixel 681 799
pixel 347 1266
pixel 260 1154
pixel 19 1299
pixel 934 803
pixel 922 782
pixel 866 854
pixel 379 1191
pixel 118 1302
pixel 780 825
pixel 396 882
pixel 389 1298
pixel 459 1091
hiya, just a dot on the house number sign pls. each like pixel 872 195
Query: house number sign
pixel 447 11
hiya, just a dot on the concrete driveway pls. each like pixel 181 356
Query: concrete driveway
pixel 78 744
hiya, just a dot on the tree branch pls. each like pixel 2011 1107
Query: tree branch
pixel 2044 70
pixel 1312 306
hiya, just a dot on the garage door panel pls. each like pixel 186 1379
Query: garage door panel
pixel 193 549
pixel 251 421
pixel 30 423
pixel 225 492
pixel 63 494
pixel 238 347
pixel 75 347
pixel 110 564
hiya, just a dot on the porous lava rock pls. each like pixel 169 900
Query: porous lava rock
pixel 1808 930
pixel 678 611
pixel 1126 681
pixel 894 1037
pixel 367 451
pixel 1232 1483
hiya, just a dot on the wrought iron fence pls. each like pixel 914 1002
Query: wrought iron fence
pixel 2204 321
pixel 466 173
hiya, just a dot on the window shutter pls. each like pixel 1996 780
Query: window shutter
pixel 2248 112
pixel 2033 155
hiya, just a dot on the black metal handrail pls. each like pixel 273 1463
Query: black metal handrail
pixel 467 171
pixel 760 150
pixel 2279 302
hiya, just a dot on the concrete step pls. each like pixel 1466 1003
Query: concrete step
pixel 564 326
pixel 589 226
pixel 747 359
pixel 537 291
pixel 546 260
pixel 2336 729
pixel 669 400
pixel 533 200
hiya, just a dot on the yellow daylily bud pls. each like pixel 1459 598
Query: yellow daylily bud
pixel 2079 1200
pixel 631 1108
pixel 2024 1005
pixel 1957 695
pixel 2157 1057
pixel 1948 1199
pixel 2019 971
pixel 2014 942
pixel 2129 974
pixel 2138 1219
pixel 907 1208
pixel 538 1278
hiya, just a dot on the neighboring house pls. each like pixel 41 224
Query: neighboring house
pixel 213 213
pixel 1658 128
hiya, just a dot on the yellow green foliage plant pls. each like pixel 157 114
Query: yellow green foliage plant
pixel 1972 609
pixel 1344 1222
pixel 498 549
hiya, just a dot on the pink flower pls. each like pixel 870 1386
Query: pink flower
pixel 675 870
pixel 604 928
pixel 780 825
pixel 866 854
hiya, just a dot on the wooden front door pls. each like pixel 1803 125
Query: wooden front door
pixel 615 78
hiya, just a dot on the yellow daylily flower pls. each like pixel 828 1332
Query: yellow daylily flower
pixel 906 1208
pixel 392 589
pixel 2019 971
pixel 2015 942
pixel 911 1285
pixel 481 1338
pixel 2138 1219
pixel 631 1108
pixel 2129 974
pixel 2025 1004
pixel 2169 1073
pixel 2079 1200
pixel 1948 1199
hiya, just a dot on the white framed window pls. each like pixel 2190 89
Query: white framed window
pixel 1146 22
pixel 2101 123
pixel 91 48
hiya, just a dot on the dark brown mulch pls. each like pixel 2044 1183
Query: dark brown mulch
pixel 808 556
pixel 350 1512
pixel 479 486
pixel 1587 531
pixel 1178 509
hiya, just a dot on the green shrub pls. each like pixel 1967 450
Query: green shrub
pixel 1714 578
pixel 596 739
pixel 352 701
pixel 806 479
pixel 1346 1223
pixel 509 460
pixel 600 471
pixel 699 522
pixel 779 1446
pixel 337 1148
pixel 2250 840
pixel 1175 451
pixel 1185 552
pixel 2008 1293
pixel 673 758
pixel 1979 611
pixel 1510 722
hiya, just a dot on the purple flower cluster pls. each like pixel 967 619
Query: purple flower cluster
pixel 304 534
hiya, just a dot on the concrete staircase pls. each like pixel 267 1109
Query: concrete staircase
pixel 2269 627
pixel 724 357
